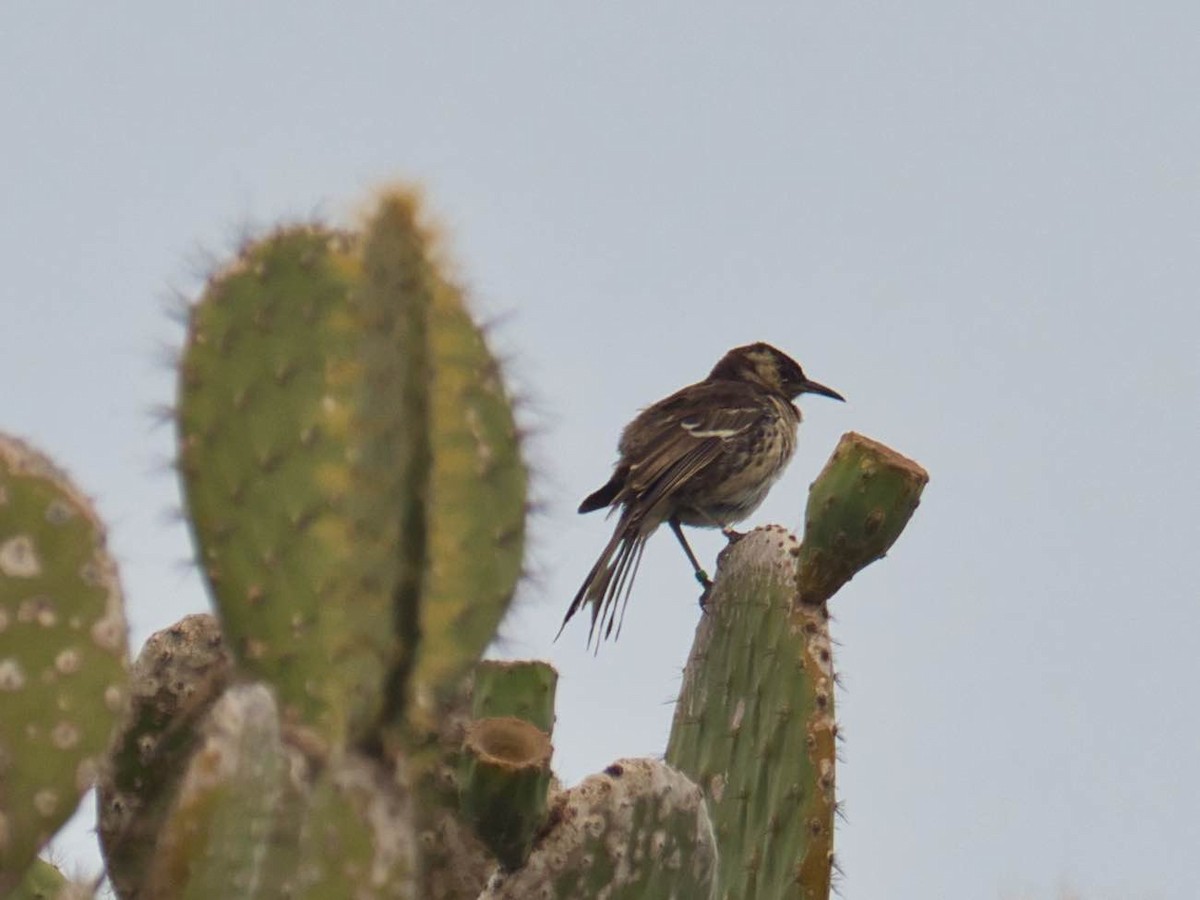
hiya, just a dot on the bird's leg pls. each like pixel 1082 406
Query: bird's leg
pixel 701 575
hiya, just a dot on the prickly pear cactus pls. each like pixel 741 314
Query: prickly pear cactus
pixel 754 725
pixel 180 673
pixel 352 472
pixel 477 499
pixel 857 508
pixel 347 448
pixel 225 835
pixel 267 393
pixel 351 466
pixel 639 829
pixel 62 652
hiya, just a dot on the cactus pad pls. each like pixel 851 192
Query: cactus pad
pixel 637 830
pixel 177 677
pixel 754 724
pixel 351 467
pixel 857 507
pixel 62 652
pixel 267 392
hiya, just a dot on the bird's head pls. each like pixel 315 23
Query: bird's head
pixel 767 367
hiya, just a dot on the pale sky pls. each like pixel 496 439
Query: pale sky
pixel 979 222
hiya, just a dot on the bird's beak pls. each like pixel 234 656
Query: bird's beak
pixel 813 387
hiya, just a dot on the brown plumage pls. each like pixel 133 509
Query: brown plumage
pixel 704 456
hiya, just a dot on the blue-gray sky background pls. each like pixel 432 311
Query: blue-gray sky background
pixel 979 222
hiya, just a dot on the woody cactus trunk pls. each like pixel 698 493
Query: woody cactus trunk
pixel 353 479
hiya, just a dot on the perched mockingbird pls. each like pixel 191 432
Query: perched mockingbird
pixel 704 456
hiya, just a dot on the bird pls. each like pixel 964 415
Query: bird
pixel 705 456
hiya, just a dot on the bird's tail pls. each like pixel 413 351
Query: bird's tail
pixel 610 580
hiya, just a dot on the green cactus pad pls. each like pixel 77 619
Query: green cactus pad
pixel 179 674
pixel 351 467
pixel 62 652
pixel 461 524
pixel 232 830
pixel 638 830
pixel 269 442
pixel 257 816
pixel 437 453
pixel 391 302
pixel 477 499
pixel 857 508
pixel 357 836
pixel 521 688
pixel 754 724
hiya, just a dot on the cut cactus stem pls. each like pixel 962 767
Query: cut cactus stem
pixel 857 507
pixel 505 780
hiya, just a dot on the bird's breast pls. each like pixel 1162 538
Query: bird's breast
pixel 750 469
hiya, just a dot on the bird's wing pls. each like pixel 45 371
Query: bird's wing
pixel 679 437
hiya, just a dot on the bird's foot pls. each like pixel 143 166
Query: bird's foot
pixel 732 536
pixel 706 583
